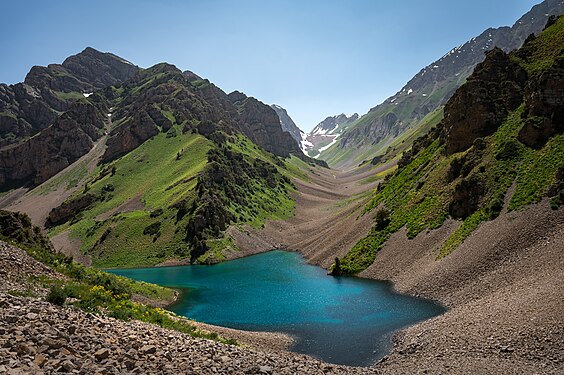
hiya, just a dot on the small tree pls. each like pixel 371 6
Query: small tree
pixel 56 296
pixel 336 269
pixel 382 218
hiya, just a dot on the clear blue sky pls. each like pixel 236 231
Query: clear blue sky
pixel 314 57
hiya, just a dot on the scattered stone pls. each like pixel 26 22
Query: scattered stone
pixel 39 360
pixel 102 354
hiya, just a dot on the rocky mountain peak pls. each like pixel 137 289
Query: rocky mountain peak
pixel 288 125
pixel 334 124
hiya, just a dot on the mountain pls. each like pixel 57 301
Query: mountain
pixel 29 107
pixel 431 88
pixel 288 125
pixel 53 118
pixel 499 147
pixel 325 134
pixel 159 158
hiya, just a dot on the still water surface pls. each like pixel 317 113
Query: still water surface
pixel 337 319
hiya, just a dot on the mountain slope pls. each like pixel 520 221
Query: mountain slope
pixel 502 128
pixel 431 88
pixel 178 160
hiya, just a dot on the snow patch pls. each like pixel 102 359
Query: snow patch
pixel 409 91
pixel 87 94
pixel 424 94
pixel 329 145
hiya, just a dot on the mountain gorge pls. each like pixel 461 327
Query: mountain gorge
pixel 451 191
pixel 430 89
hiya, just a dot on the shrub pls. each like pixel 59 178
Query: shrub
pixel 56 295
pixel 153 229
pixel 382 218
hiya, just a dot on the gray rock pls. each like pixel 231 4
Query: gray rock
pixel 102 354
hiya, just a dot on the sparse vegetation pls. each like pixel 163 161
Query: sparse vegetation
pixel 471 185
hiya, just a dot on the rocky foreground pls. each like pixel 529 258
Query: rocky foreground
pixel 37 337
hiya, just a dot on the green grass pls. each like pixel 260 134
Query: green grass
pixel 545 49
pixel 217 247
pixel 536 173
pixel 418 196
pixel 154 174
pixel 379 176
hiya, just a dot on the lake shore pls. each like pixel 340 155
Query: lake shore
pixel 504 286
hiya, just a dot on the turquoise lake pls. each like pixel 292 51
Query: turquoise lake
pixel 342 320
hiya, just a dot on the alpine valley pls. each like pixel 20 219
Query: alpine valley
pixel 428 233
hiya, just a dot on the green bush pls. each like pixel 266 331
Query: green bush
pixel 56 295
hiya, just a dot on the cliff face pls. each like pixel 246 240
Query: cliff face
pixel 478 107
pixel 42 156
pixel 262 125
pixel 288 125
pixel 437 82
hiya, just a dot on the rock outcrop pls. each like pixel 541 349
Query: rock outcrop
pixel 262 125
pixel 70 209
pixel 288 125
pixel 477 109
pixel 544 100
pixel 42 156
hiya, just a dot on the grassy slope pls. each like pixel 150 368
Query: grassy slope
pixel 418 195
pixel 152 174
pixel 160 173
pixel 266 203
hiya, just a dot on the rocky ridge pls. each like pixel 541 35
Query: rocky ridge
pixel 437 82
pixel 87 86
pixel 29 107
